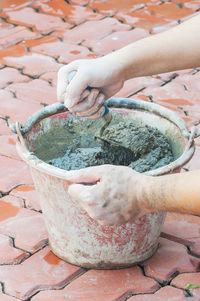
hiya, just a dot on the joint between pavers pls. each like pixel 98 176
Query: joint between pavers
pixel 142 267
pixel 61 284
pixel 170 79
pixel 187 292
pixel 176 239
pixel 125 296
pixel 2 287
pixel 162 283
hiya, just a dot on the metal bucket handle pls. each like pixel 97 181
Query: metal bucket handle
pixel 112 102
pixel 117 103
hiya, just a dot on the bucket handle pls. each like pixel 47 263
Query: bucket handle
pixel 39 115
pixel 116 103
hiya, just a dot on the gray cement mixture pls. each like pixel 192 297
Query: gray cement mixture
pixel 142 148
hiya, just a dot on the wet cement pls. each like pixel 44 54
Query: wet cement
pixel 142 148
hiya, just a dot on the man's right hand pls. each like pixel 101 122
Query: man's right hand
pixel 101 74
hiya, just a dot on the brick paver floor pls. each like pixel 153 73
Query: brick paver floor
pixel 36 39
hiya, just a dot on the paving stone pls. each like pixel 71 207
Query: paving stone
pixel 63 51
pixel 10 208
pixel 116 40
pixel 40 22
pixel 193 111
pixel 177 260
pixel 194 5
pixel 172 91
pixel 14 201
pixel 13 35
pixel 168 76
pixel 102 286
pixel 94 30
pixel 194 163
pixel 11 75
pixel 191 82
pixel 5 297
pixel 141 18
pixel 167 293
pixel 13 173
pixel 111 7
pixel 183 229
pixel 4 129
pixel 12 51
pixel 51 77
pixel 9 254
pixel 47 272
pixel 33 64
pixel 36 90
pixel 183 280
pixel 158 29
pixel 139 96
pixel 72 13
pixel 4 24
pixel 170 11
pixel 24 225
pixel 182 225
pixel 133 85
pixel 7 146
pixel 13 5
pixel 29 232
pixel 80 2
pixel 12 107
pixel 29 195
pixel 39 41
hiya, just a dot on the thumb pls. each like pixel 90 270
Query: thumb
pixel 62 81
pixel 80 192
pixel 84 195
pixel 74 89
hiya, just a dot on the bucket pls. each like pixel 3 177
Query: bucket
pixel 73 235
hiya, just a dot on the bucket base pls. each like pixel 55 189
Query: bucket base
pixel 107 265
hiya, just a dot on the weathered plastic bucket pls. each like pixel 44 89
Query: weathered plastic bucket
pixel 73 235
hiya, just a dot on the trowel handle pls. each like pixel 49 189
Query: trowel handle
pixel 71 76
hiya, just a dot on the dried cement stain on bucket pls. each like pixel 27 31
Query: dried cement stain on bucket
pixel 146 148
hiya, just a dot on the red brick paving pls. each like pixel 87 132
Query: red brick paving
pixel 29 195
pixel 11 75
pixel 103 286
pixel 36 37
pixel 32 64
pixel 165 293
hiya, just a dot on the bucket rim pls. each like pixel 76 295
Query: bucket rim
pixel 124 103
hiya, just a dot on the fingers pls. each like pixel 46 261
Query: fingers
pixel 89 174
pixel 83 194
pixel 91 107
pixel 97 115
pixel 88 100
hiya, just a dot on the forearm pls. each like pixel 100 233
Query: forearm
pixel 176 193
pixel 175 49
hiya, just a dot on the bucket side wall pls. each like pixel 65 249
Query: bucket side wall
pixel 78 239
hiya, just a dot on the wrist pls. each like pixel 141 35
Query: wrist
pixel 117 64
